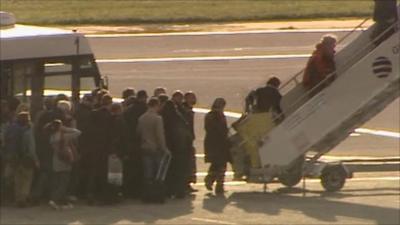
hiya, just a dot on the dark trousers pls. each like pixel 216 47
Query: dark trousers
pixel 42 185
pixel 73 186
pixel 97 182
pixel 216 173
pixel 192 178
pixel 178 173
pixel 60 187
pixel 132 177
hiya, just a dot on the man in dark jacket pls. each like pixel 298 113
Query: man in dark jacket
pixel 216 146
pixel 83 116
pixel 179 138
pixel 132 174
pixel 101 138
pixel 385 14
pixel 268 98
pixel 190 100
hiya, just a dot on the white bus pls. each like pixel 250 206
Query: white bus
pixel 40 61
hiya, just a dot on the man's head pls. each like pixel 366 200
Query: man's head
pixel 190 98
pixel 154 104
pixel 106 101
pixel 128 92
pixel 177 97
pixel 64 106
pixel 49 103
pixel 142 96
pixel 159 90
pixel 274 82
pixel 116 109
pixel 218 105
pixel 98 95
pixel 61 97
pixel 87 100
pixel 23 118
pixel 163 98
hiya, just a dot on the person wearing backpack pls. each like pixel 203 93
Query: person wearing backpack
pixel 62 140
pixel 20 158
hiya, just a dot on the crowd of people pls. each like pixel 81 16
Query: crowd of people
pixel 63 154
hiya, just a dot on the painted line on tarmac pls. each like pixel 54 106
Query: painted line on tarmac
pixel 315 180
pixel 378 132
pixel 381 133
pixel 212 221
pixel 207 58
pixel 273 31
pixel 340 158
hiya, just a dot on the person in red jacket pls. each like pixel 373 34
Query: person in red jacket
pixel 321 66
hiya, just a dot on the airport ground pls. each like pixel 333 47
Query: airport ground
pixel 229 65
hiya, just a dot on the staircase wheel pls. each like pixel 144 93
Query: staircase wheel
pixel 333 178
pixel 292 176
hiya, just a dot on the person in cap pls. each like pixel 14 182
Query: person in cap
pixel 20 157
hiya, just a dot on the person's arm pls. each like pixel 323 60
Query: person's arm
pixel 71 133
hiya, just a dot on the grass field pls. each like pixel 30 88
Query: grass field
pixel 179 11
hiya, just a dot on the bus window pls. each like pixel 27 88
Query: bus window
pixel 21 85
pixel 87 85
pixel 54 84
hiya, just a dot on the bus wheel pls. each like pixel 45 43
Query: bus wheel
pixel 333 178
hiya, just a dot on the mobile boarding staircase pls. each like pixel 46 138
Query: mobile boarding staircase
pixel 367 80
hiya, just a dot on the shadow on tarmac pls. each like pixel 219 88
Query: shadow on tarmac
pixel 319 205
pixel 127 212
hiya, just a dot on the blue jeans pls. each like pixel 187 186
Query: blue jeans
pixel 151 163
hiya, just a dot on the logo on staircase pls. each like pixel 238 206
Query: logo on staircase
pixel 382 67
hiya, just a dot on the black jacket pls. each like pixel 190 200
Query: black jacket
pixel 385 10
pixel 216 143
pixel 268 97
pixel 177 129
